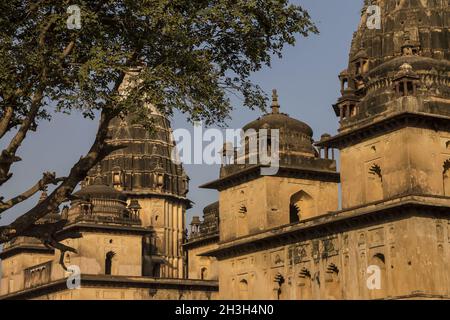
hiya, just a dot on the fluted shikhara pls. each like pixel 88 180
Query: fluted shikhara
pixel 414 35
pixel 145 172
pixel 145 166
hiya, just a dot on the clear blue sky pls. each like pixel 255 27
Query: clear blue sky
pixel 306 79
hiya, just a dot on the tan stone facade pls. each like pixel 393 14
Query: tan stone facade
pixel 410 248
pixel 394 177
pixel 125 230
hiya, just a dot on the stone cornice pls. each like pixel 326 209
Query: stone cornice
pixel 389 124
pixel 106 228
pixel 202 240
pixel 419 295
pixel 95 281
pixel 254 172
pixel 152 194
pixel 25 248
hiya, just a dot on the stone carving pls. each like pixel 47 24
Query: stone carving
pixel 328 248
pixel 298 254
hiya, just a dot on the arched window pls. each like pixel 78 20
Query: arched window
pixel 332 283
pixel 446 177
pixel 379 261
pixel 406 88
pixel 294 213
pixel 301 206
pixel 243 290
pixel 156 272
pixel 108 262
pixel 203 273
pixel 242 225
pixel 374 185
pixel 352 110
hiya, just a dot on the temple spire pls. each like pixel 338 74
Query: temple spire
pixel 275 104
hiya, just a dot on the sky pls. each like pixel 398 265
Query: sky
pixel 306 79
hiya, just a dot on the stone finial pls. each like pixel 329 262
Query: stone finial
pixel 275 103
pixel 406 67
pixel 406 70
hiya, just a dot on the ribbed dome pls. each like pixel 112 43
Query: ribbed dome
pixel 295 135
pixel 416 62
pixel 99 201
pixel 145 165
pixel 406 56
pixel 100 192
pixel 279 121
pixel 405 26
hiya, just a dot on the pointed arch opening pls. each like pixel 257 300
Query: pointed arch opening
pixel 374 182
pixel 446 177
pixel 156 272
pixel 301 207
pixel 204 273
pixel 243 289
pixel 381 291
pixel 109 262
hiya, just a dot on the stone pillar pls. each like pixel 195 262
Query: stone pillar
pixel 180 240
pixel 174 240
pixel 169 239
pixel 166 238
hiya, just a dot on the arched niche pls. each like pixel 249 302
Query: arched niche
pixel 243 290
pixel 109 262
pixel 301 207
pixel 379 260
pixel 446 177
pixel 204 273
pixel 374 184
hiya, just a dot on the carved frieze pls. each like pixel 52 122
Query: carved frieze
pixel 277 259
pixel 298 253
pixel 376 237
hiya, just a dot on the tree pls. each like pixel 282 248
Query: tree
pixel 179 54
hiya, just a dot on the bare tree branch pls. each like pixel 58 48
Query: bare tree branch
pixel 48 178
pixel 5 120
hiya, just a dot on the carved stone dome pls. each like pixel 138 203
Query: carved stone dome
pixel 413 27
pixel 280 121
pixel 98 190
pixel 99 202
pixel 295 135
pixel 404 58
pixel 145 166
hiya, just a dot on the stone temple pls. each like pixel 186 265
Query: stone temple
pixel 378 229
